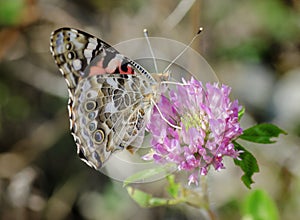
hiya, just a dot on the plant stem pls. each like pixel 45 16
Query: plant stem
pixel 204 188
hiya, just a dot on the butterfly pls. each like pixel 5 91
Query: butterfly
pixel 110 95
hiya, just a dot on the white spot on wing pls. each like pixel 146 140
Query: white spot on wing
pixel 110 107
pixel 88 53
pixel 77 64
pixel 112 82
pixel 92 45
pixel 93 41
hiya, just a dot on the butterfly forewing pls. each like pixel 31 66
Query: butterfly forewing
pixel 73 51
pixel 109 114
pixel 109 95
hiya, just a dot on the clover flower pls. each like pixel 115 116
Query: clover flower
pixel 194 127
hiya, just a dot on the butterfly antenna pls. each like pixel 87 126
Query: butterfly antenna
pixel 182 52
pixel 151 51
pixel 173 83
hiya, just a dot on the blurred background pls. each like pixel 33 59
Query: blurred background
pixel 253 46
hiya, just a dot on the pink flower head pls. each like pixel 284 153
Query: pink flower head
pixel 205 122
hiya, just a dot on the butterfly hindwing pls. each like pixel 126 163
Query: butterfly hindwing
pixel 109 115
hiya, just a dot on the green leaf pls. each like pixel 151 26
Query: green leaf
pixel 262 133
pixel 247 163
pixel 241 113
pixel 180 194
pixel 139 196
pixel 173 187
pixel 147 200
pixel 258 205
pixel 149 173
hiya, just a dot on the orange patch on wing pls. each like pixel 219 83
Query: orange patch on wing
pixel 98 69
pixel 129 70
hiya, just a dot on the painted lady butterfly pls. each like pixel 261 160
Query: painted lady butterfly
pixel 110 96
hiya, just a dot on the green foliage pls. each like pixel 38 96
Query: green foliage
pixel 241 113
pixel 258 205
pixel 178 194
pixel 247 163
pixel 277 25
pixel 10 11
pixel 262 133
pixel 140 197
pixel 251 49
pixel 147 200
pixel 274 16
pixel 173 187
